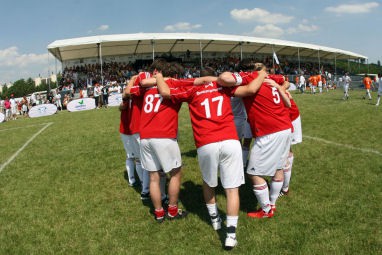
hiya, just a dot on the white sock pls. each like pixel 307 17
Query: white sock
pixel 262 195
pixel 232 222
pixel 275 189
pixel 145 181
pixel 379 98
pixel 130 170
pixel 212 209
pixel 288 173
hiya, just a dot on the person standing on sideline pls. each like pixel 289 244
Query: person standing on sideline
pixel 13 107
pixel 379 82
pixel 346 83
pixel 96 94
pixel 57 99
pixel 367 82
pixel 302 83
pixel 105 96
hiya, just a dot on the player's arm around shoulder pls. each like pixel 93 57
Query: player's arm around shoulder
pixel 163 88
pixel 127 91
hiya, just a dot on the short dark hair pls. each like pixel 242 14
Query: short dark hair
pixel 247 65
pixel 207 71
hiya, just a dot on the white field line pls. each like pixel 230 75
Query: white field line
pixel 344 145
pixel 24 146
pixel 25 126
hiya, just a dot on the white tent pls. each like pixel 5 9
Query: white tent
pixel 144 43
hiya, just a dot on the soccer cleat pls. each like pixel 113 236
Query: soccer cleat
pixel 230 243
pixel 216 222
pixel 159 215
pixel 260 214
pixel 273 208
pixel 180 215
pixel 145 195
pixel 284 193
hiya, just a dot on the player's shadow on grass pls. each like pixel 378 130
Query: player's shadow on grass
pixel 191 196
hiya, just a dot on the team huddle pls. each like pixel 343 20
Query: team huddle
pixel 223 110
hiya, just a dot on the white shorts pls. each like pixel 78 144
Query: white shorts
pixel 225 156
pixel 240 126
pixel 131 143
pixel 160 154
pixel 13 110
pixel 379 92
pixel 346 87
pixel 268 153
pixel 297 131
pixel 247 130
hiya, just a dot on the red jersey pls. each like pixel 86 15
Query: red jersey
pixel 130 118
pixel 159 118
pixel 266 111
pixel 278 78
pixel 210 110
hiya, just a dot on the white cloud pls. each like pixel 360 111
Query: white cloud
pixel 220 24
pixel 302 28
pixel 259 15
pixel 15 66
pixel 181 26
pixel 352 8
pixel 268 30
pixel 103 27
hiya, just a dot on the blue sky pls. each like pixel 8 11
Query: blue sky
pixel 27 27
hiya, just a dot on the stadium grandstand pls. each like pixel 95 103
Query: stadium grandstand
pixel 115 58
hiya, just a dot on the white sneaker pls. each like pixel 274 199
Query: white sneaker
pixel 216 222
pixel 230 242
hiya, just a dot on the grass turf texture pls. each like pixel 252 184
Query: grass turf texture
pixel 66 192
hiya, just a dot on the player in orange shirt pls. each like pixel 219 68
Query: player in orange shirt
pixel 313 83
pixel 367 83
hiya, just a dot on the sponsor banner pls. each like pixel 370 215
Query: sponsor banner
pixel 81 104
pixel 292 86
pixel 42 110
pixel 115 99
pixel 2 117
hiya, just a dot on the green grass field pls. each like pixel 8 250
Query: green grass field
pixel 66 192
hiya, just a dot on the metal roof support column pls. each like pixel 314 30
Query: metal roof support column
pixel 335 67
pixel 47 78
pixel 273 58
pixel 100 60
pixel 319 62
pixel 298 56
pixel 368 71
pixel 153 46
pixel 241 51
pixel 201 55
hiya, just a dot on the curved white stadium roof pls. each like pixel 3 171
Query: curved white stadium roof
pixel 125 44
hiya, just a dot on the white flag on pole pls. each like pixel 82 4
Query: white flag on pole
pixel 275 58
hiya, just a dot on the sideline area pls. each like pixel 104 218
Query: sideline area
pixel 46 125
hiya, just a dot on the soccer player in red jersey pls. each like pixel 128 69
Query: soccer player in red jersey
pixel 217 143
pixel 271 126
pixel 129 131
pixel 159 148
